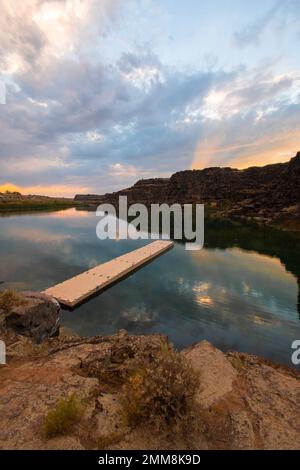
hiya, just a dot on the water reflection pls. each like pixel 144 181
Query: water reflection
pixel 240 292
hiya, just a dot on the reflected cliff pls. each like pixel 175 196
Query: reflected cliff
pixel 279 244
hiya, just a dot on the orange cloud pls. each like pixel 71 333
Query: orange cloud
pixel 51 190
pixel 214 151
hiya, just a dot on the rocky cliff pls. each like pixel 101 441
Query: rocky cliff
pixel 264 193
pixel 144 191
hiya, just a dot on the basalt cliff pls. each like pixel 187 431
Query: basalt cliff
pixel 265 194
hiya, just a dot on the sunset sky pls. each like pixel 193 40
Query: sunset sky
pixel 100 93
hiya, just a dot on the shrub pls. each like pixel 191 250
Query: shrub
pixel 62 418
pixel 160 392
pixel 10 299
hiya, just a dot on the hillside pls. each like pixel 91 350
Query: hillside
pixel 266 194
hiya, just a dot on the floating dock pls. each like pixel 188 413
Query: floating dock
pixel 79 288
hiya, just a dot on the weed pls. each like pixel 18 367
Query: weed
pixel 62 418
pixel 161 392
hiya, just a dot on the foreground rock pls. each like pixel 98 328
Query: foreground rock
pixel 250 403
pixel 244 402
pixel 34 315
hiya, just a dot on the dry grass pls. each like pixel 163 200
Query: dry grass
pixel 161 393
pixel 10 299
pixel 63 417
pixel 237 363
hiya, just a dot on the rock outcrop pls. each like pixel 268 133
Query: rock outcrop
pixel 144 191
pixel 37 316
pixel 263 193
pixel 248 402
pixel 244 402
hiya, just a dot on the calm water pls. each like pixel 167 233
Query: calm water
pixel 241 292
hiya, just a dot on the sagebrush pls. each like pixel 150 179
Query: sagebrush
pixel 64 416
pixel 161 392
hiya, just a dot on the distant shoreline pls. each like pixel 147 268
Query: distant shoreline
pixel 14 201
pixel 23 207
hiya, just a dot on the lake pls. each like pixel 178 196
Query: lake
pixel 241 292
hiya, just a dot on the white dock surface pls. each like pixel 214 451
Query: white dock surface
pixel 79 288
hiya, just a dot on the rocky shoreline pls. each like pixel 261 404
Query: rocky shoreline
pixel 242 401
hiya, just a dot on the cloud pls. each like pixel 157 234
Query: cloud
pixel 282 14
pixel 34 31
pixel 251 33
pixel 86 112
pixel 258 91
pixel 242 141
pixel 79 119
pixel 50 190
pixel 119 169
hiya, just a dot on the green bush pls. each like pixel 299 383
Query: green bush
pixel 62 418
pixel 161 392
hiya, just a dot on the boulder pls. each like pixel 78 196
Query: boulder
pixel 246 402
pixel 37 317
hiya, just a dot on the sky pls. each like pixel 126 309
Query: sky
pixel 101 93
